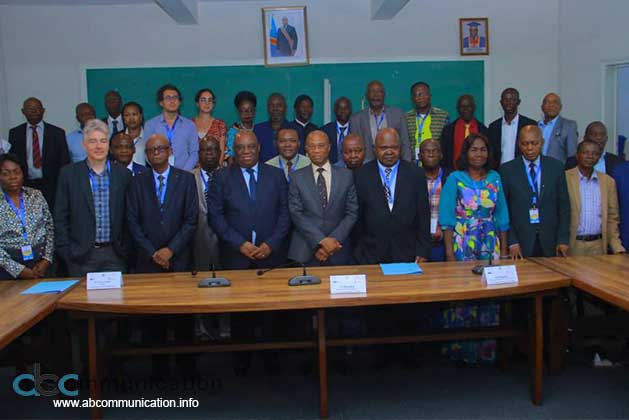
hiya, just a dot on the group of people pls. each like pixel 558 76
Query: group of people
pixel 375 186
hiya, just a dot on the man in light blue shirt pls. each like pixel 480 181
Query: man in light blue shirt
pixel 84 113
pixel 180 131
pixel 560 134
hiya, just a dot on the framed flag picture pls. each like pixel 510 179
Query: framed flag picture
pixel 285 34
pixel 474 36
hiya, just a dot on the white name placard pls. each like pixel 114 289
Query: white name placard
pixel 500 274
pixel 104 280
pixel 348 284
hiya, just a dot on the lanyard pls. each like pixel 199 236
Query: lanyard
pixel 434 186
pixel 205 181
pixel 387 182
pixel 379 122
pixel 93 183
pixel 170 131
pixel 293 167
pixel 534 185
pixel 20 213
pixel 420 125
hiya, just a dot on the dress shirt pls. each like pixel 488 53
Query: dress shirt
pixel 538 170
pixel 327 176
pixel 155 177
pixel 75 146
pixel 139 142
pixel 340 128
pixel 298 162
pixel 433 198
pixel 246 176
pixel 509 138
pixel 600 165
pixel 5 146
pixel 100 192
pixel 547 131
pixel 110 124
pixel 590 222
pixel 34 173
pixel 130 167
pixel 372 122
pixel 392 180
pixel 266 138
pixel 184 143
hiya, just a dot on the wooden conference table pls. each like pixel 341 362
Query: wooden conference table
pixel 441 282
pixel 605 277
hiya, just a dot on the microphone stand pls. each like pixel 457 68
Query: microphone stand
pixel 478 269
pixel 214 281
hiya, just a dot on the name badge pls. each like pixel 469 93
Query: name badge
pixel 534 216
pixel 27 253
pixel 433 225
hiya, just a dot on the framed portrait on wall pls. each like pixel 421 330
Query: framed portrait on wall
pixel 474 36
pixel 285 34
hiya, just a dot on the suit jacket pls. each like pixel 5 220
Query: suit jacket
pixel 609 209
pixel 312 223
pixel 75 216
pixel 174 227
pixel 283 46
pixel 330 130
pixel 55 156
pixel 611 161
pixel 563 141
pixel 495 137
pixel 392 236
pixel 205 240
pixel 396 118
pixel 138 169
pixel 233 216
pixel 553 205
pixel 447 142
pixel 621 176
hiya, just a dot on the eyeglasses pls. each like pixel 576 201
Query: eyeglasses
pixel 171 98
pixel 206 100
pixel 157 149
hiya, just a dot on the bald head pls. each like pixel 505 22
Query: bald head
pixel 596 132
pixel 122 148
pixel 387 147
pixel 466 107
pixel 530 142
pixel 246 149
pixel 551 106
pixel 33 110
pixel 430 154
pixel 375 95
pixel 318 147
pixel 353 151
pixel 157 152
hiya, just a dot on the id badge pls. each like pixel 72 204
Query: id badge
pixel 433 225
pixel 27 253
pixel 534 216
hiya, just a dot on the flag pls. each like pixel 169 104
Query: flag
pixel 273 39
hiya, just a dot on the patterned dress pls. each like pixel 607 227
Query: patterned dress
pixel 476 211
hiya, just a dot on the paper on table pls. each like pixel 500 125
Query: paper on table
pixel 401 268
pixel 49 287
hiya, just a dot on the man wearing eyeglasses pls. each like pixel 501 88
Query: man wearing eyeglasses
pixel 180 131
pixel 90 208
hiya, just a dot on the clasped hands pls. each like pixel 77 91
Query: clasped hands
pixel 162 257
pixel 327 247
pixel 38 270
pixel 253 252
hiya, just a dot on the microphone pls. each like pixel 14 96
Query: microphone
pixel 478 269
pixel 214 281
pixel 302 280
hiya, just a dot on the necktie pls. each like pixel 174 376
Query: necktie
pixel 289 166
pixel 207 186
pixel 323 190
pixel 114 123
pixel 252 185
pixel 467 130
pixel 533 175
pixel 387 190
pixel 36 151
pixel 160 191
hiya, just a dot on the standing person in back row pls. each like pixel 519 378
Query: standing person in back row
pixel 180 132
pixel 368 122
pixel 424 121
pixel 560 134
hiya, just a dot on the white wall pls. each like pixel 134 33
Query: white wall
pixel 47 62
pixel 591 34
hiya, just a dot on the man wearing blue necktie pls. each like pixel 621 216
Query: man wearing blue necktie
pixel 338 129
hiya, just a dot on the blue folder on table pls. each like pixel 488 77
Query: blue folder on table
pixel 49 287
pixel 397 269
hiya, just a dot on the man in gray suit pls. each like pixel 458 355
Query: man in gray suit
pixel 560 134
pixel 323 207
pixel 205 240
pixel 368 122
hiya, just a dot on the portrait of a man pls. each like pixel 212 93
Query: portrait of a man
pixel 474 36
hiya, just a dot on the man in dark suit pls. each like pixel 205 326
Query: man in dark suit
pixel 162 212
pixel 248 209
pixel 122 151
pixel 455 133
pixel 368 122
pixel 323 207
pixel 503 132
pixel 90 233
pixel 352 153
pixel 113 105
pixel 303 107
pixel 597 132
pixel 394 216
pixel 266 131
pixel 537 194
pixel 287 39
pixel 42 147
pixel 338 129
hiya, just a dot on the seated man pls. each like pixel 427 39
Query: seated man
pixel 597 132
pixel 122 151
pixel 594 205
pixel 352 153
pixel 323 207
pixel 289 159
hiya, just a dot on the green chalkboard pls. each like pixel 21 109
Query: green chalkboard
pixel 448 80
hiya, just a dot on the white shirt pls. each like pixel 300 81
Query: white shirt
pixel 110 123
pixel 327 176
pixel 34 173
pixel 139 142
pixel 509 138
